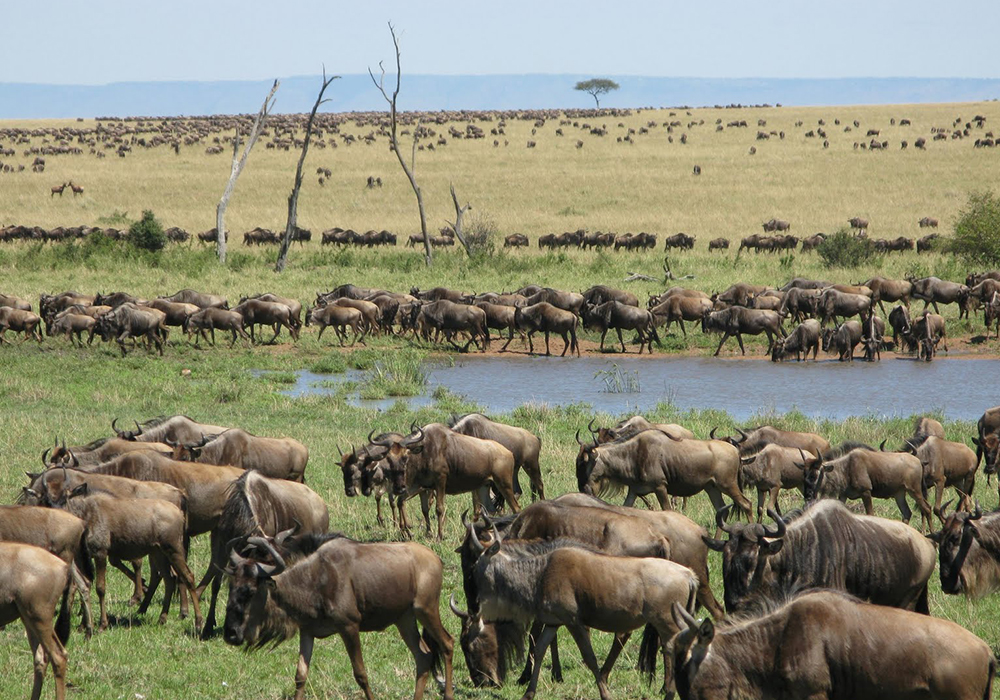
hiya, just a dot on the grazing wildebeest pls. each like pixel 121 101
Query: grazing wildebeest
pixel 681 308
pixel 515 240
pixel 558 586
pixel 884 561
pixel 659 463
pixel 928 221
pixel 31 583
pixel 859 471
pixel 737 320
pixel 547 318
pixel 340 587
pixel 199 299
pixel 826 644
pixel 278 458
pixel 614 314
pixel 801 340
pixel 523 444
pixel 213 317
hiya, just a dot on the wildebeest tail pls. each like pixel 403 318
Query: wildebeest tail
pixel 435 651
pixel 63 621
pixel 84 562
pixel 648 651
pixel 989 681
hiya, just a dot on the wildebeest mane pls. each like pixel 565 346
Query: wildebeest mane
pixel 845 447
pixel 93 445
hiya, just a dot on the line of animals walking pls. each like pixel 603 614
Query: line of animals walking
pixel 457 316
pixel 827 602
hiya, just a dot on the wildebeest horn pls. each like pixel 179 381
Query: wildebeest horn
pixel 371 437
pixel 578 440
pixel 339 451
pixel 493 527
pixel 74 462
pixel 477 546
pixel 590 426
pixel 711 433
pixel 978 513
pixel 45 461
pixel 138 428
pixel 457 610
pixel 780 530
pixel 407 442
pixel 743 436
pixel 881 447
pixel 682 615
pixel 114 426
pixel 279 563
pixel 944 508
pixel 280 538
pixel 720 518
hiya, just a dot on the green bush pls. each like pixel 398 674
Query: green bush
pixel 147 233
pixel 844 249
pixel 977 232
pixel 481 235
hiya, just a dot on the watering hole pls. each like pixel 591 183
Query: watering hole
pixel 959 389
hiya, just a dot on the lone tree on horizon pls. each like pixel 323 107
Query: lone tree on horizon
pixel 596 87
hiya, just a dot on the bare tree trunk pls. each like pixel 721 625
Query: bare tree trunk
pixel 395 143
pixel 457 226
pixel 220 210
pixel 293 198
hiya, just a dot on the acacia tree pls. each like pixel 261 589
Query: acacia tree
pixel 238 163
pixel 596 87
pixel 394 142
pixel 293 198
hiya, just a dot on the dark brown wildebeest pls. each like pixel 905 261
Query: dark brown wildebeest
pixel 340 318
pixel 972 279
pixel 843 340
pixel 211 318
pixel 718 244
pixel 826 644
pixel 928 221
pixel 801 340
pixel 436 458
pixel 988 424
pixel 20 321
pixel 548 319
pixel 599 294
pixel 899 319
pixel 363 473
pixel 131 529
pixel 268 313
pixel 256 505
pixel 657 299
pixel 500 318
pixel 926 332
pixel 889 290
pixel 827 546
pixel 739 294
pixel 131 321
pixel 678 308
pixel 568 301
pixel 614 314
pixel 278 458
pixel 453 318
pixel 945 464
pixel 438 294
pixel 679 240
pixel 737 320
pixel 549 583
pixel 524 445
pixel 547 240
pixel 927 243
pixel 294 305
pixel 858 223
pixel 859 471
pixel 50 305
pixel 359 588
pixel 770 470
pixel 515 240
pixel 199 299
pixel 176 312
pixel 14 302
pixel 73 326
pixel 967 550
pixel 799 303
pixel 834 304
pixel 932 291
pixel 31 583
pixel 812 242
pixel 59 533
pixel 656 462
pixel 776 225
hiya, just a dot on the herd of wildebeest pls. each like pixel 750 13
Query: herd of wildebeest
pixel 742 309
pixel 826 602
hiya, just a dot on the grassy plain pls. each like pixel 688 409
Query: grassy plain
pixel 55 390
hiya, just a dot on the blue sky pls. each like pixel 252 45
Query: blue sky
pixel 98 41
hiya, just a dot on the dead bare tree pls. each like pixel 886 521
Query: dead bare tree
pixel 293 198
pixel 457 224
pixel 394 143
pixel 238 163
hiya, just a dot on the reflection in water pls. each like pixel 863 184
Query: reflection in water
pixel 961 389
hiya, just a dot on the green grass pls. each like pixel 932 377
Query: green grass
pixel 76 394
pixel 398 374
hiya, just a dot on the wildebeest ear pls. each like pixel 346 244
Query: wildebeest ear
pixel 712 543
pixel 828 467
pixel 975 530
pixel 936 536
pixel 31 493
pixel 80 490
pixel 32 475
pixel 975 441
pixel 706 632
pixel 417 449
pixel 493 548
pixel 767 548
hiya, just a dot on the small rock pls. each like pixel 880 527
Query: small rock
pixel 185 372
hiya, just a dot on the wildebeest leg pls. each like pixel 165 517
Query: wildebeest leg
pixel 604 332
pixel 866 498
pixel 425 508
pixel 576 344
pixel 80 585
pixel 622 341
pixel 100 583
pixel 277 329
pixel 531 344
pixel 904 507
pixel 352 641
pixel 547 353
pixel 121 341
pixel 439 507
pixel 926 518
pixel 725 337
pixel 212 329
pixel 392 507
pixel 739 339
pixel 761 493
pixel 378 510
pixel 542 642
pixel 616 649
pixel 510 337
pixel 322 327
pixel 581 635
pixel 46 648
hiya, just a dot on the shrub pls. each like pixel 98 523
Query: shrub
pixel 844 249
pixel 977 232
pixel 481 235
pixel 147 233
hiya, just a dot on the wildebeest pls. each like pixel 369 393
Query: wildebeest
pixel 211 318
pixel 843 340
pixel 737 320
pixel 499 317
pixel 834 304
pixel 268 313
pixel 547 318
pixel 928 221
pixel 14 302
pixel 799 303
pixel 176 312
pixel 359 588
pixel 739 294
pixel 294 305
pixel 73 326
pixel 858 222
pixel 776 225
pixel 599 294
pixel 859 471
pixel 932 290
pixel 568 301
pixel 258 505
pixel 659 463
pixel 31 583
pixel 967 549
pixel 438 459
pixel 826 644
pixel 199 299
pixel 681 308
pixel 679 240
pixel 812 242
pixel 176 428
pixel 20 321
pixel 614 314
pixel 926 243
pixel 635 425
pixel 801 340
pixel 340 318
pixel 945 464
pixel 889 290
pixel 278 458
pixel 524 445
pixel 131 321
pixel 718 244
pixel 515 240
pixel 560 586
pixel 770 470
pixel 884 561
pixel 754 440
pixel 452 318
pixel 926 332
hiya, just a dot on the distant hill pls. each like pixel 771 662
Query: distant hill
pixel 452 92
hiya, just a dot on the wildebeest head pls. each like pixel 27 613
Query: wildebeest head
pixel 744 554
pixel 397 456
pixel 481 648
pixel 586 458
pixel 251 583
pixel 814 474
pixel 691 646
pixel 350 466
pixel 954 540
pixel 127 434
pixel 189 452
pixel 990 447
